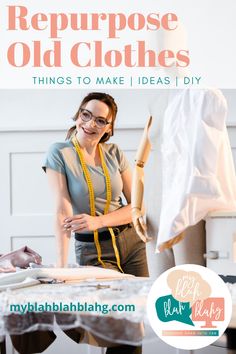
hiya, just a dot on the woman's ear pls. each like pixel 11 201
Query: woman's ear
pixel 109 130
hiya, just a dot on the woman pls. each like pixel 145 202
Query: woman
pixel 88 177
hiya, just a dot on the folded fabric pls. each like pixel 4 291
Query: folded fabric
pixel 20 258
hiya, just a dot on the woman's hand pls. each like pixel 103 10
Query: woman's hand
pixel 140 225
pixel 82 222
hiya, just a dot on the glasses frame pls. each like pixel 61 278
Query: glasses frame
pixel 93 117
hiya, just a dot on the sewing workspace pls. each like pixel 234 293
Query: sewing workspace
pixel 94 210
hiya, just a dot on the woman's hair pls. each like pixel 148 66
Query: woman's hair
pixel 103 97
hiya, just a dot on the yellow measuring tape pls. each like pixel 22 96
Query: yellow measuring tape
pixel 92 201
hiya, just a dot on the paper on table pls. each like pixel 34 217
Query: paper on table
pixel 81 273
pixel 66 274
pixel 17 277
pixel 23 284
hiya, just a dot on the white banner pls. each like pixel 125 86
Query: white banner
pixel 118 44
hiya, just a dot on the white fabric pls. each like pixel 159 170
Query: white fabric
pixel 198 174
pixel 104 326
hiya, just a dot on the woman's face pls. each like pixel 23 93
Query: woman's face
pixel 91 130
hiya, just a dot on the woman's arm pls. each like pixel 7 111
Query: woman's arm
pixel 63 208
pixel 121 216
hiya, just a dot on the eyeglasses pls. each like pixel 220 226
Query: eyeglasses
pixel 86 116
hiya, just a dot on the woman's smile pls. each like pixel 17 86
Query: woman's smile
pixel 88 131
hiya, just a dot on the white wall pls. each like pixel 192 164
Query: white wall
pixel 230 96
pixel 29 108
pixel 50 108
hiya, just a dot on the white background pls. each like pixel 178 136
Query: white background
pixel 54 108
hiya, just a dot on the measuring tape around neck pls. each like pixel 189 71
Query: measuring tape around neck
pixel 92 200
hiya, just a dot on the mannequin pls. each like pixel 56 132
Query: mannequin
pixel 189 174
pixel 138 184
pixel 191 247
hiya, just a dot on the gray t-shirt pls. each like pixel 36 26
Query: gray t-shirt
pixel 63 158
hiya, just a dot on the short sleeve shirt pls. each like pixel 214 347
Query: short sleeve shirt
pixel 63 158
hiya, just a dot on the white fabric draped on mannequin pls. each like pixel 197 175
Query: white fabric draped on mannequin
pixel 193 173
